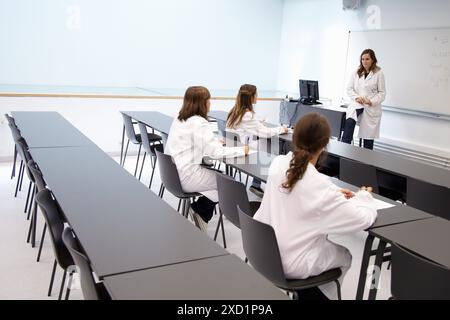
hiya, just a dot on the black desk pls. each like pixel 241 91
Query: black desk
pixel 219 278
pixel 48 129
pixel 156 120
pixel 122 225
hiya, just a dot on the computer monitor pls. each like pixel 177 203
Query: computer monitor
pixel 309 91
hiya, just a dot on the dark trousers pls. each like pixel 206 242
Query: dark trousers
pixel 349 129
pixel 204 207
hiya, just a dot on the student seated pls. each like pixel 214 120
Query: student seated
pixel 242 120
pixel 190 139
pixel 304 206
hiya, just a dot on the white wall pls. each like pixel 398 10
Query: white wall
pixel 314 43
pixel 146 43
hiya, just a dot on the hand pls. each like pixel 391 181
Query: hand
pixel 246 150
pixel 347 193
pixel 360 100
pixel 368 102
pixel 222 142
pixel 368 189
pixel 285 130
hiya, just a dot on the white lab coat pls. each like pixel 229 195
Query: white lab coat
pixel 373 87
pixel 188 142
pixel 303 218
pixel 251 126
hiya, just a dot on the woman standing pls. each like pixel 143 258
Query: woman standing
pixel 242 120
pixel 190 139
pixel 367 90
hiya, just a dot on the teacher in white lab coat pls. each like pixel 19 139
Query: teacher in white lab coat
pixel 367 90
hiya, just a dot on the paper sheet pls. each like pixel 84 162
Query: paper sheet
pixel 378 204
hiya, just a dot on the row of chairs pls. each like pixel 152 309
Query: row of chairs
pixel 68 253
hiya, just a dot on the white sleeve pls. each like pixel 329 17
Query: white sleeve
pixel 256 127
pixel 351 92
pixel 211 146
pixel 379 97
pixel 339 215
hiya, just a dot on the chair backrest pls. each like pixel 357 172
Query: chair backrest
pixel 232 194
pixel 415 278
pixel 169 174
pixel 15 132
pixel 22 149
pixel 37 175
pixel 261 248
pixel 232 139
pixel 358 174
pixel 10 119
pixel 222 127
pixel 164 137
pixel 88 286
pixel 428 197
pixel 144 137
pixel 129 128
pixel 55 224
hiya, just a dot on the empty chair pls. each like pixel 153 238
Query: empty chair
pixel 149 149
pixel 358 174
pixel 170 180
pixel 261 248
pixel 55 222
pixel 134 138
pixel 428 197
pixel 91 290
pixel 416 278
pixel 232 194
pixel 16 136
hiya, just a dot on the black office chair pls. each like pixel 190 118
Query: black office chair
pixel 416 278
pixel 232 194
pixel 358 174
pixel 149 149
pixel 135 139
pixel 53 218
pixel 261 247
pixel 170 180
pixel 428 197
pixel 91 290
pixel 12 123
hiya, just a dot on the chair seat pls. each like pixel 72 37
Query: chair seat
pixel 151 136
pixel 323 278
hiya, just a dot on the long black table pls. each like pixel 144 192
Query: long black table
pixel 48 130
pixel 156 120
pixel 218 278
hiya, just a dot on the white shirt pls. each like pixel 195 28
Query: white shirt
pixel 303 218
pixel 372 87
pixel 191 140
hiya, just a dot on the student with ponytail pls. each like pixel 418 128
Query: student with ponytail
pixel 304 206
pixel 242 120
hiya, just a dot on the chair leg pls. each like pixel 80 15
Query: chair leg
pixel 34 225
pixel 246 182
pixel 28 197
pixel 13 172
pixel 223 232
pixel 30 229
pixel 125 154
pixel 246 260
pixel 220 224
pixel 137 161
pixel 41 244
pixel 52 278
pixel 151 178
pixel 183 207
pixel 31 202
pixel 364 265
pixel 62 285
pixel 18 178
pixel 162 191
pixel 179 204
pixel 142 166
pixel 378 264
pixel 338 286
pixel 69 284
pixel 21 178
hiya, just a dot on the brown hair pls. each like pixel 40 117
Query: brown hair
pixel 194 103
pixel 374 67
pixel 244 103
pixel 311 134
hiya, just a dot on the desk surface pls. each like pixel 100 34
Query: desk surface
pixel 122 225
pixel 220 278
pixel 48 129
pixel 156 120
pixel 428 238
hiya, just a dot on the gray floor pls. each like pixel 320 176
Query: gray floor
pixel 21 277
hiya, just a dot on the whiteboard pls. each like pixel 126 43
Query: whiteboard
pixel 416 65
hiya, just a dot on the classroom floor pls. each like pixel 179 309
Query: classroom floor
pixel 21 277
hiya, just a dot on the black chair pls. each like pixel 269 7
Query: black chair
pixel 12 123
pixel 91 290
pixel 53 218
pixel 416 278
pixel 358 174
pixel 17 137
pixel 232 194
pixel 170 180
pixel 428 197
pixel 135 139
pixel 261 247
pixel 149 149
